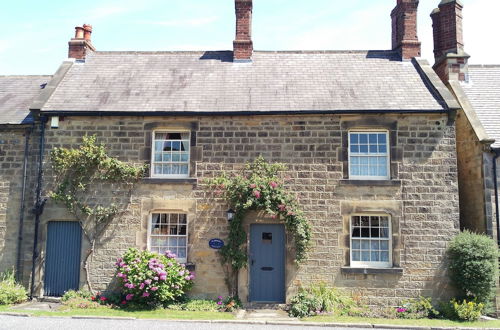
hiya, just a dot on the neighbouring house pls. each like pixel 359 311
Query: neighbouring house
pixel 477 90
pixel 368 137
pixel 18 169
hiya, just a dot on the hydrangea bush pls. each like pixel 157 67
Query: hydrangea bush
pixel 147 278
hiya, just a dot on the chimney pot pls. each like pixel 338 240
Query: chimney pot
pixel 81 43
pixel 79 32
pixel 87 31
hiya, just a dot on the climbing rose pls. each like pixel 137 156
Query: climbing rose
pixel 273 184
pixel 256 193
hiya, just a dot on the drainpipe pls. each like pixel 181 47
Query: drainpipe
pixel 39 204
pixel 23 199
pixel 495 183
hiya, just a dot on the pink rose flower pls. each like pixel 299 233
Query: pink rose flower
pixel 154 288
pixel 273 184
pixel 253 186
pixel 256 193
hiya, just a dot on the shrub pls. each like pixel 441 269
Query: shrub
pixel 473 265
pixel 304 304
pixel 70 294
pixel 148 279
pixel 228 304
pixel 465 311
pixel 416 309
pixel 329 300
pixel 10 291
pixel 81 303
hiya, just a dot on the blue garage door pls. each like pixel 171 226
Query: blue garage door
pixel 62 261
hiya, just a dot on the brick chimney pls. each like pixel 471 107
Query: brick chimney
pixel 450 57
pixel 404 29
pixel 81 43
pixel 243 45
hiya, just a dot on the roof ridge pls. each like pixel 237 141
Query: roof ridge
pixel 114 52
pixel 26 76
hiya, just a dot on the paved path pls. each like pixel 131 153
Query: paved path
pixel 55 323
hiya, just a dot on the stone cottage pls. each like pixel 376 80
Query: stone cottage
pixel 368 138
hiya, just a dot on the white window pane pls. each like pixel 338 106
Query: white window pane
pixel 365 245
pixel 384 256
pixel 355 160
pixel 365 255
pixel 384 245
pixel 382 161
pixel 356 256
pixel 176 145
pixel 364 161
pixel 355 170
pixel 157 169
pixel 182 241
pixel 167 169
pixel 157 156
pixel 185 157
pixel 184 169
pixel 167 146
pixel 374 245
pixel 382 138
pixel 382 170
pixel 384 232
pixel 364 170
pixel 382 149
pixel 363 138
pixel 181 253
pixel 355 244
pixel 160 136
pixel 373 170
pixel 354 148
pixel 185 136
pixel 167 157
pixel 354 138
pixel 176 157
pixel 172 241
pixel 363 148
pixel 373 148
pixel 373 139
pixel 375 256
pixel 384 222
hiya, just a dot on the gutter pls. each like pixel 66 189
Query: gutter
pixel 70 113
pixel 22 208
pixel 496 151
pixel 39 204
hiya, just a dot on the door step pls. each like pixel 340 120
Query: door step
pixel 260 306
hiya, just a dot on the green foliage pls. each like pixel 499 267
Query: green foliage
pixel 464 311
pixel 79 169
pixel 10 291
pixel 228 304
pixel 149 279
pixel 70 294
pixel 474 265
pixel 259 187
pixel 304 304
pixel 196 305
pixel 82 303
pixel 320 298
pixel 420 308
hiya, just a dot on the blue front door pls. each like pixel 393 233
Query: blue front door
pixel 267 263
pixel 62 261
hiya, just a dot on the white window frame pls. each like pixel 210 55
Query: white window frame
pixel 370 264
pixel 150 230
pixel 153 146
pixel 387 154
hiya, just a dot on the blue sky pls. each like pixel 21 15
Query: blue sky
pixel 34 34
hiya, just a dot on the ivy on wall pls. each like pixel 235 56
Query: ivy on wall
pixel 258 186
pixel 93 186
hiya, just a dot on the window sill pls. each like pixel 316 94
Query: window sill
pixel 370 271
pixel 383 183
pixel 169 180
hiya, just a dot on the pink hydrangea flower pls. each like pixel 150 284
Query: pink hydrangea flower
pixel 163 277
pixel 145 294
pixel 154 288
pixel 155 278
pixel 141 286
pixel 129 296
pixel 147 282
pixel 181 273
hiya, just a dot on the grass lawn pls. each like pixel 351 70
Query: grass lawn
pixel 153 314
pixel 421 322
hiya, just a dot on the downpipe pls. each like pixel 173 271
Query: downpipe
pixel 495 184
pixel 39 204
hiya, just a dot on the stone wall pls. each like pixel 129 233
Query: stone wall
pixel 475 208
pixel 12 151
pixel 421 198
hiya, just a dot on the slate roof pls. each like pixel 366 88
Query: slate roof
pixel 483 92
pixel 211 82
pixel 16 95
